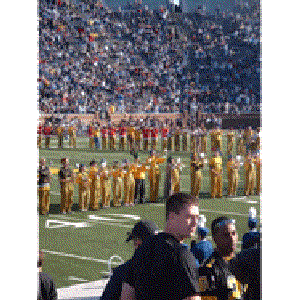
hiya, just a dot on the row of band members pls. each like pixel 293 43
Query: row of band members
pixel 94 185
pixel 144 138
pixel 163 267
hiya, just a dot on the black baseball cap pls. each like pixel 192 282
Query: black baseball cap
pixel 142 229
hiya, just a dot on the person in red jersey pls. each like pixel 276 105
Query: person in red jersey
pixel 146 136
pixel 164 138
pixel 104 133
pixel 47 133
pixel 112 132
pixel 123 136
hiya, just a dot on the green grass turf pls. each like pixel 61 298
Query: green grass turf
pixel 102 239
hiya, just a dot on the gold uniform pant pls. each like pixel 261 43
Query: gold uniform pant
pixel 184 142
pixel 123 141
pixel 105 192
pixel 72 141
pixel 66 196
pixel 232 183
pixel 112 142
pixel 175 187
pixel 44 200
pixel 91 142
pixel 164 143
pixel 258 185
pixel 154 143
pixel 241 148
pixel 95 194
pixel 117 191
pixel 193 144
pixel 154 186
pixel 216 185
pixel 196 177
pixel 177 142
pixel 84 198
pixel 218 144
pixel 146 144
pixel 229 146
pixel 104 143
pixel 137 144
pixel 249 183
pixel 129 189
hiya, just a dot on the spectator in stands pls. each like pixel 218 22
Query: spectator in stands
pixel 141 231
pixel 46 285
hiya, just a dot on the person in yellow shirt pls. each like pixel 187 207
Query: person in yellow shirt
pixel 240 143
pixel 44 177
pixel 216 172
pixel 117 176
pixel 218 139
pixel 139 177
pixel 131 134
pixel 97 136
pixel 175 176
pixel 230 141
pixel 94 185
pixel 138 138
pixel 153 162
pixel 83 181
pixel 66 180
pixel 60 136
pixel 196 173
pixel 128 183
pixel 233 166
pixel 105 174
pixel 258 173
pixel 72 136
pixel 249 166
pixel 184 139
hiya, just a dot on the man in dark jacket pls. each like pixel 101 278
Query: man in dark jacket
pixel 46 288
pixel 140 232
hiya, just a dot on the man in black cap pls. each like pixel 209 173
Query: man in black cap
pixel 140 232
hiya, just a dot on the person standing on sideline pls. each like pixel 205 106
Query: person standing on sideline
pixel 44 176
pixel 83 181
pixel 216 281
pixel 203 249
pixel 66 180
pixel 216 172
pixel 163 268
pixel 141 231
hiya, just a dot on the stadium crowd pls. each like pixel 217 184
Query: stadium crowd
pixel 143 60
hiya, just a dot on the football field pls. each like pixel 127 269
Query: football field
pixel 78 246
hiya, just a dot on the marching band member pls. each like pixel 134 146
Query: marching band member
pixel 240 143
pixel 138 138
pixel 128 183
pixel 131 134
pixel 196 173
pixel 233 166
pixel 66 179
pixel 112 138
pixel 177 134
pixel 154 174
pixel 91 130
pixel 249 174
pixel 184 139
pixel 83 181
pixel 122 137
pixel 175 176
pixel 216 172
pixel 104 133
pixel 258 173
pixel 164 137
pixel 117 176
pixel 60 135
pixel 94 185
pixel 170 140
pixel 104 174
pixel 203 140
pixel 47 133
pixel 44 176
pixel 230 141
pixel 146 136
pixel 154 138
pixel 72 135
pixel 139 177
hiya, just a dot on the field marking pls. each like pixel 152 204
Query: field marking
pixel 63 254
pixel 73 278
pixel 61 223
pixel 224 212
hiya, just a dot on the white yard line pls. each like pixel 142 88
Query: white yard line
pixel 102 261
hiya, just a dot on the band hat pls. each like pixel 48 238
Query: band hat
pixel 142 229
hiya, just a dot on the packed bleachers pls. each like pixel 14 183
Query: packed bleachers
pixel 147 61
